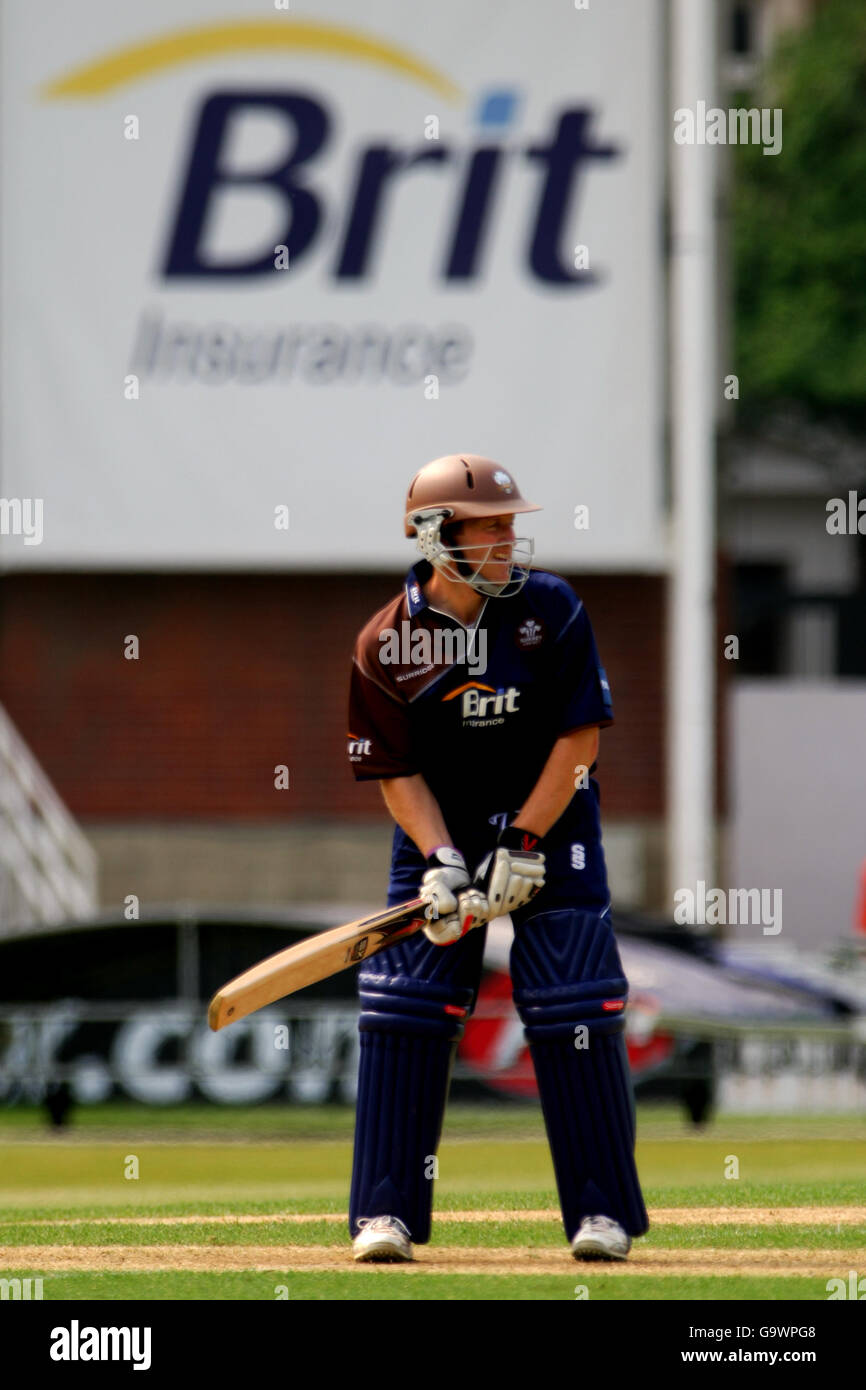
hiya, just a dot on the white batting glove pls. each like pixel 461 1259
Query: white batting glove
pixel 446 875
pixel 511 874
pixel 473 909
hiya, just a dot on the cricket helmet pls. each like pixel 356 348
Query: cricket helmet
pixel 461 487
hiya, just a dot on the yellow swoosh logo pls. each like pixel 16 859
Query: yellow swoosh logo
pixel 473 685
pixel 130 64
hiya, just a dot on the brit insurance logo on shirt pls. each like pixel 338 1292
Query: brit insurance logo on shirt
pixel 481 706
pixel 359 748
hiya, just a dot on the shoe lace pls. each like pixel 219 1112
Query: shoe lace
pixel 382 1223
pixel 602 1223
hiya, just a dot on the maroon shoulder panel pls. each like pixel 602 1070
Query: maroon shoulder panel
pixel 379 732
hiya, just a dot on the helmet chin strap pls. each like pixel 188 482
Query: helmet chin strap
pixel 451 561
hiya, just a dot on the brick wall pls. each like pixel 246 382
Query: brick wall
pixel 238 673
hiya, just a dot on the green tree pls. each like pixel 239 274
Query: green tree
pixel 799 227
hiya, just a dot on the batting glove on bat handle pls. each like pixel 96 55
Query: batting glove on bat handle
pixel 446 875
pixel 512 874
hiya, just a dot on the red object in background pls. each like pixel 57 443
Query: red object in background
pixel 496 1050
pixel 652 1052
pixel 860 908
pixel 495 1047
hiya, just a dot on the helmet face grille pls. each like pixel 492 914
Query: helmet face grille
pixel 463 563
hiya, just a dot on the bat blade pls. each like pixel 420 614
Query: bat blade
pixel 315 958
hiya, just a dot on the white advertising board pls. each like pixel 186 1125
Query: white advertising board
pixel 260 264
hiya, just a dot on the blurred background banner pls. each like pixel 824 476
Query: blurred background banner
pixel 259 267
pixel 111 1010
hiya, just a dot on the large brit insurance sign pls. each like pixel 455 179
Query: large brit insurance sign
pixel 261 263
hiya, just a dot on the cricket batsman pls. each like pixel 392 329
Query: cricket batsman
pixel 476 700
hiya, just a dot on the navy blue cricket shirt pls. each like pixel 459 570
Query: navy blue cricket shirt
pixel 477 713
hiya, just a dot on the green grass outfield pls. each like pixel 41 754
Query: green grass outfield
pixel 251 1205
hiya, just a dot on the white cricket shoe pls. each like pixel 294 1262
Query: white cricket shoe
pixel 383 1238
pixel 600 1238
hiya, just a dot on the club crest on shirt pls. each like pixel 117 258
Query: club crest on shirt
pixel 529 634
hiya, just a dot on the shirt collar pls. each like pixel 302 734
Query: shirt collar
pixel 417 576
pixel 417 602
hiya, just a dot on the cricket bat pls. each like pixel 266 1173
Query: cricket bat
pixel 313 959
